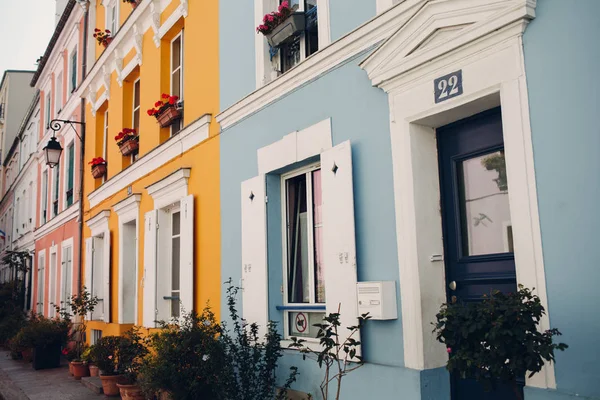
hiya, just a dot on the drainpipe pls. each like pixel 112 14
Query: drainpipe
pixel 85 4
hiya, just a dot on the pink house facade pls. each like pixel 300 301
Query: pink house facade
pixel 56 272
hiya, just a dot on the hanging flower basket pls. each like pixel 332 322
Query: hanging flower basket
pixel 128 141
pixel 98 167
pixel 165 110
pixel 281 25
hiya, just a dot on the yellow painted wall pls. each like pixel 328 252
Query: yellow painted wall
pixel 200 97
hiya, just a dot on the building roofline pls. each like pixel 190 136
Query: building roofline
pixel 22 128
pixel 14 71
pixel 57 31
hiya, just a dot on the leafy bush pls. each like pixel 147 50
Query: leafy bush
pixel 119 355
pixel 12 317
pixel 187 358
pixel 40 331
pixel 496 339
pixel 104 354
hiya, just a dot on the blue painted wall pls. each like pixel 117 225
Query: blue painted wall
pixel 562 61
pixel 359 113
pixel 237 31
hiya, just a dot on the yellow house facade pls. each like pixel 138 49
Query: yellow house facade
pixel 152 219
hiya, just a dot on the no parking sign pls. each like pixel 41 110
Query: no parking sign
pixel 300 323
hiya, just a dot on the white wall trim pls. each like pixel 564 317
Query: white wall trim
pixel 190 136
pixel 493 75
pixel 128 210
pixel 294 147
pixel 57 221
pixel 327 58
pixel 171 189
pixel 98 224
pixel 63 245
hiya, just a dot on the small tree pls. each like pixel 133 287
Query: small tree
pixel 17 262
pixel 497 339
pixel 80 305
pixel 338 357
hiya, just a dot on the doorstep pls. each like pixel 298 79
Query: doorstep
pixel 93 383
pixel 19 381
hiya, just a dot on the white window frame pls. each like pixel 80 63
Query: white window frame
pixel 48 109
pixel 44 197
pixel 52 281
pixel 55 189
pixel 100 231
pixel 301 307
pixel 128 210
pixel 73 69
pixel 66 244
pixel 105 140
pixel 112 25
pixel 58 93
pixel 172 72
pixel 265 71
pixel 65 178
pixel 137 82
pixel 40 283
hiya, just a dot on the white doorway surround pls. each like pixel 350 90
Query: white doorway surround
pixel 483 40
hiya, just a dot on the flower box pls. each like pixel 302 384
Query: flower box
pixel 98 170
pixel 129 146
pixel 292 25
pixel 167 116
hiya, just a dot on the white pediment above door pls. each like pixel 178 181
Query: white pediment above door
pixel 437 28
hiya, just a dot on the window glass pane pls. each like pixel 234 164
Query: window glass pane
pixel 294 4
pixel 176 53
pixel 71 157
pixel 176 83
pixel 136 94
pixel 318 237
pixel 485 213
pixel 74 71
pixel 297 235
pixel 175 255
pixel 290 54
pixel 175 305
pixel 176 223
pixel 301 323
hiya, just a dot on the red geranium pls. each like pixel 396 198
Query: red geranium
pixel 125 135
pixel 166 101
pixel 271 20
pixel 103 37
pixel 97 161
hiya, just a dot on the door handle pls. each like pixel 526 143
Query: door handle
pixel 452 285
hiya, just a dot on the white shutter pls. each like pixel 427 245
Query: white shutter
pixel 254 253
pixel 149 281
pixel 186 270
pixel 89 265
pixel 106 263
pixel 339 247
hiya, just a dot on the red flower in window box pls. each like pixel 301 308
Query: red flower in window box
pixel 272 20
pixel 128 141
pixel 165 110
pixel 134 3
pixel 103 37
pixel 98 167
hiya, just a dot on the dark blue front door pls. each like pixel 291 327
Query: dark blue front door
pixel 478 240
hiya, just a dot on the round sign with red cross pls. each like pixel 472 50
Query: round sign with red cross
pixel 301 322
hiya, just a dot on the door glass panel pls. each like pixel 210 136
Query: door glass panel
pixel 485 213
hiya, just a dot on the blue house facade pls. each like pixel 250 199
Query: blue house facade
pixel 393 154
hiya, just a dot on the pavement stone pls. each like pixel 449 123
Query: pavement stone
pixel 19 381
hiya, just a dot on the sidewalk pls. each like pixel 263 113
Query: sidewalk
pixel 19 381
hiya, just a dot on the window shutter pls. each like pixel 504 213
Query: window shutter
pixel 106 275
pixel 254 253
pixel 89 262
pixel 186 271
pixel 149 281
pixel 339 247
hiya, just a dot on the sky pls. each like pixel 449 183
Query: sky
pixel 26 27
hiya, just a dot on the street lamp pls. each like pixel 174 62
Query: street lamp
pixel 53 149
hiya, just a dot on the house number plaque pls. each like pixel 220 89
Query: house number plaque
pixel 448 86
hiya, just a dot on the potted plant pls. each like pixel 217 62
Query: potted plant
pixel 497 339
pixel 165 110
pixel 128 141
pixel 134 3
pixel 281 25
pixel 98 167
pixel 81 305
pixel 88 358
pixel 103 37
pixel 105 355
pixel 130 357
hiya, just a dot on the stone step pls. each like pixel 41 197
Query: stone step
pixel 93 383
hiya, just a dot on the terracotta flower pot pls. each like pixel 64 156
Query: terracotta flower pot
pixel 27 355
pixel 164 395
pixel 94 370
pixel 80 369
pixel 130 392
pixel 99 170
pixel 70 368
pixel 168 116
pixel 129 146
pixel 109 384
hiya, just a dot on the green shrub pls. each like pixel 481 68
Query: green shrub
pixel 40 331
pixel 119 355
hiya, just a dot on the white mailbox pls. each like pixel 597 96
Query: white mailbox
pixel 378 299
